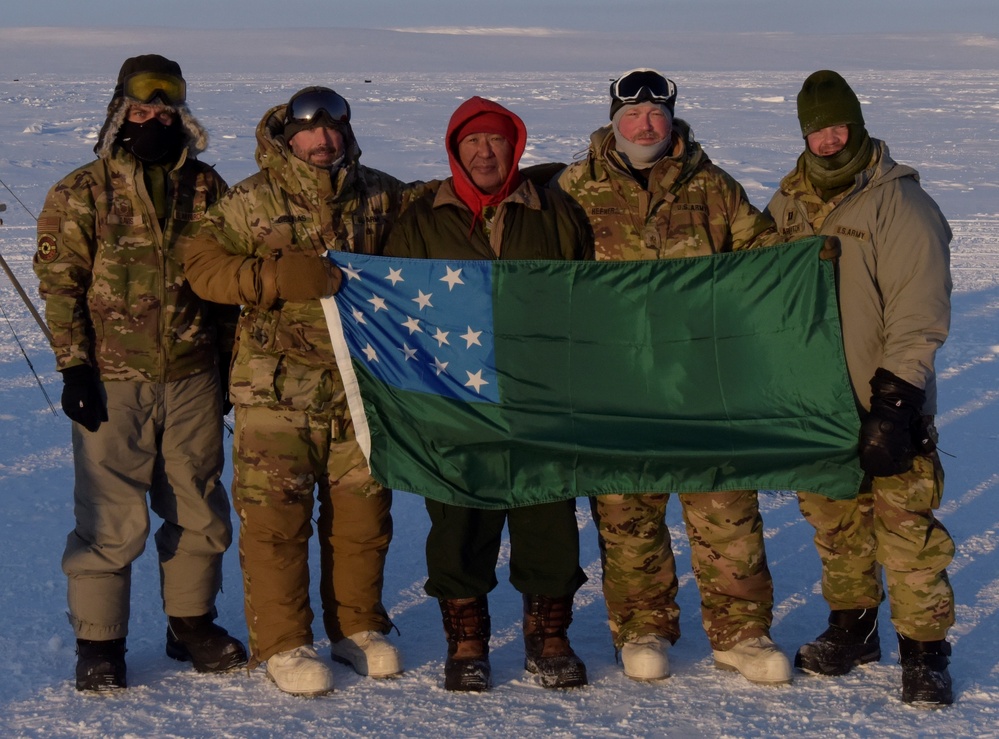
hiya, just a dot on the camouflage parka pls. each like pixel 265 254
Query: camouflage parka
pixel 288 206
pixel 690 208
pixel 893 271
pixel 109 272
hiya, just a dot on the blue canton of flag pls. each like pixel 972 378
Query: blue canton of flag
pixel 424 325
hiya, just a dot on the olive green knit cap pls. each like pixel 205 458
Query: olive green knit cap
pixel 827 100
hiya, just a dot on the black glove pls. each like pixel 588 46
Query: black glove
pixel 224 361
pixel 81 397
pixel 887 435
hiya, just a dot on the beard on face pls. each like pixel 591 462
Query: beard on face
pixel 647 138
pixel 322 151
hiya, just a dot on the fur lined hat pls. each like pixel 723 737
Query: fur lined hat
pixel 196 137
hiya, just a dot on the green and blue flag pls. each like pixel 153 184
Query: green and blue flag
pixel 495 384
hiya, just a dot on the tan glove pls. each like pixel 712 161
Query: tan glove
pixel 299 277
pixel 831 248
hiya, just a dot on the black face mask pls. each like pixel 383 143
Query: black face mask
pixel 152 142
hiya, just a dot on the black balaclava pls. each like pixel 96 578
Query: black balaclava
pixel 152 142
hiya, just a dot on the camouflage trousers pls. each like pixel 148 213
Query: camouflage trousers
pixel 281 458
pixel 164 440
pixel 889 528
pixel 727 554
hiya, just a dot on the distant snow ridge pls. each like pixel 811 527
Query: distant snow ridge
pixel 987 41
pixel 486 31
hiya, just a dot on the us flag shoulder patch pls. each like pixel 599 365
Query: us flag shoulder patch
pixel 48 224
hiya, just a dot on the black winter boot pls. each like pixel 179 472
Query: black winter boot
pixel 925 678
pixel 100 665
pixel 546 642
pixel 851 640
pixel 197 639
pixel 467 628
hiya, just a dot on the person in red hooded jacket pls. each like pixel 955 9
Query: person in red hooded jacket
pixel 488 210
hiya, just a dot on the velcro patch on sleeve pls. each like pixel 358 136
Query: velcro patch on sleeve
pixel 47 250
pixel 48 224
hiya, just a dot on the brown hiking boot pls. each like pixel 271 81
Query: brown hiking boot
pixel 467 628
pixel 546 643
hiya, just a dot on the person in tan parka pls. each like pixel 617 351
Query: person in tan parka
pixel 894 291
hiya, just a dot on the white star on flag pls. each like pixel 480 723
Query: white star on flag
pixel 423 300
pixel 452 278
pixel 475 380
pixel 383 329
pixel 413 324
pixel 352 274
pixel 471 337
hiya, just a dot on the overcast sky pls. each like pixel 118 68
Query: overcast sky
pixel 844 16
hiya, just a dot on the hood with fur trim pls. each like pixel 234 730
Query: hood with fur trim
pixel 195 135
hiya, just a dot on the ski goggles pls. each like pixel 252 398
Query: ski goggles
pixel 145 86
pixel 310 103
pixel 643 86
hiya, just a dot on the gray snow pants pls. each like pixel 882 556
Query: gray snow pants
pixel 164 439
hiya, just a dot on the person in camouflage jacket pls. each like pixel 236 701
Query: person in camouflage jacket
pixel 139 354
pixel 651 192
pixel 264 248
pixel 683 206
pixel 894 288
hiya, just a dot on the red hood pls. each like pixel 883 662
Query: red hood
pixel 464 187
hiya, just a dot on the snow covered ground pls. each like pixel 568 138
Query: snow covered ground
pixel 937 113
